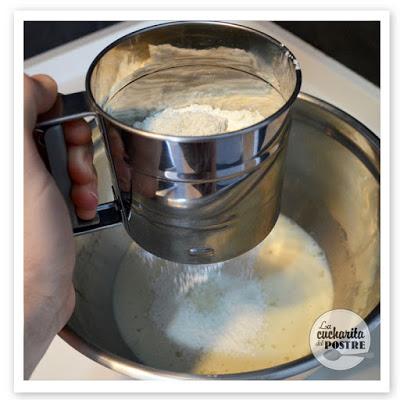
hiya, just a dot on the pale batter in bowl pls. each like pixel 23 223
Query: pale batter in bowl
pixel 249 313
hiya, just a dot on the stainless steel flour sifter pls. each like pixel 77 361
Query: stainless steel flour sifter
pixel 188 199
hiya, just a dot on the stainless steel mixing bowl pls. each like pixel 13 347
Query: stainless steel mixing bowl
pixel 331 189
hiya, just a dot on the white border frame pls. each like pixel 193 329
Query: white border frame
pixel 21 385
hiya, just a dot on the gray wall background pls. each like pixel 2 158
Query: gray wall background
pixel 355 44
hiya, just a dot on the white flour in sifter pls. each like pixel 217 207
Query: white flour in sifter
pixel 198 120
pixel 252 312
pixel 190 92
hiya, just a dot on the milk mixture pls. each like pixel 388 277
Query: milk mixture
pixel 252 312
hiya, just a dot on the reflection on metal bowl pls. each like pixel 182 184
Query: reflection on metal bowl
pixel 331 189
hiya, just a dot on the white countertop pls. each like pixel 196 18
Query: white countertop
pixel 322 77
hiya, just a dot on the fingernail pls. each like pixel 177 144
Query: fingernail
pixel 94 196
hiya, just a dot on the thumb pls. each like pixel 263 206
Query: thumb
pixel 40 93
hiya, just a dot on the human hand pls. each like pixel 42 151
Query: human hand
pixel 49 251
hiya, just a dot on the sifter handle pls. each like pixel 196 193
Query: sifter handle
pixel 107 214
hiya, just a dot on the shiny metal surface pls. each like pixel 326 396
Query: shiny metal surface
pixel 331 188
pixel 194 199
pixel 50 138
pixel 67 107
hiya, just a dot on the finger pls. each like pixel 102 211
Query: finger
pixel 85 214
pixel 80 164
pixel 85 200
pixel 77 133
pixel 44 91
